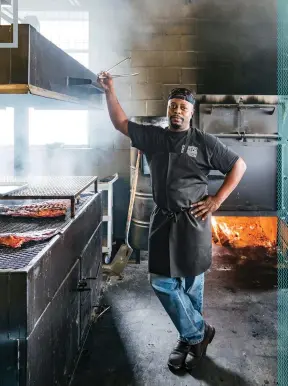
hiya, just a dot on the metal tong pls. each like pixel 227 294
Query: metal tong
pixel 121 75
pixel 71 81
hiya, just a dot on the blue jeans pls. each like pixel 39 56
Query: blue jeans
pixel 182 299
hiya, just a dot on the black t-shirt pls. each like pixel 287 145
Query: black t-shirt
pixel 208 152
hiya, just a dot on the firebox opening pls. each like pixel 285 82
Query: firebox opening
pixel 241 232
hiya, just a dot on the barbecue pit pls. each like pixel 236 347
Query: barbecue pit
pixel 48 290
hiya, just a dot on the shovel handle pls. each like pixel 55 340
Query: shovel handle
pixel 132 197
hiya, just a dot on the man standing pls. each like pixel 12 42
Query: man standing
pixel 180 240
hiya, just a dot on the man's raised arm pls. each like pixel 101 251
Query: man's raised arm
pixel 117 115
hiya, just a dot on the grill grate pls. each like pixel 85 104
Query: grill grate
pixel 20 258
pixel 62 187
pixel 68 187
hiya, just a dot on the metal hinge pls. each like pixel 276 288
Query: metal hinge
pixel 83 285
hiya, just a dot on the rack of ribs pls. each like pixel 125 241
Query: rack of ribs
pixel 17 239
pixel 51 208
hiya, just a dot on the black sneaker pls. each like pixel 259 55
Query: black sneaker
pixel 197 351
pixel 178 355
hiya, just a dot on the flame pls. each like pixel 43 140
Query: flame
pixel 240 232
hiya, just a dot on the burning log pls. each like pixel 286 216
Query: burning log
pixel 221 234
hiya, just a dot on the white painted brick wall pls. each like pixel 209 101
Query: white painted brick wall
pixel 166 59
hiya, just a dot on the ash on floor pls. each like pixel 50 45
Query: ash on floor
pixel 130 344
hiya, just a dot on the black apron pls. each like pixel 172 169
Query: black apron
pixel 180 245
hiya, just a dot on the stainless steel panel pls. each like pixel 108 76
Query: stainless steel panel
pixel 257 189
pixel 251 119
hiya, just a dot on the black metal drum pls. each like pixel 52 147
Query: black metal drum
pixel 143 204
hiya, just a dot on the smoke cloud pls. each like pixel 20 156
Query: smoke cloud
pixel 239 33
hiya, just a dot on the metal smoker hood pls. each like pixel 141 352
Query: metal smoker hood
pixel 38 72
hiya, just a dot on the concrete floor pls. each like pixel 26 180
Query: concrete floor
pixel 131 342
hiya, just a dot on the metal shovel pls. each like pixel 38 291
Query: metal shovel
pixel 125 251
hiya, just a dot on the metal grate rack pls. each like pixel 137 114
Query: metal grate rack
pixel 11 258
pixel 52 188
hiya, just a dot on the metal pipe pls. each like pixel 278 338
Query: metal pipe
pixel 240 136
pixel 242 106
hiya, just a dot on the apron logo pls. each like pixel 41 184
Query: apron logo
pixel 191 151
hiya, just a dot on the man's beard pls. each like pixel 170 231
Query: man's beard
pixel 176 126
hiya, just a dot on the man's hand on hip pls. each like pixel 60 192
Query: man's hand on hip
pixel 208 205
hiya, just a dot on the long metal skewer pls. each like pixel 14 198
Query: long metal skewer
pixel 129 57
